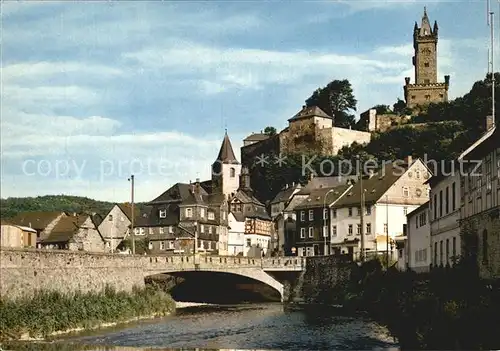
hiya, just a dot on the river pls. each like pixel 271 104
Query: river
pixel 253 326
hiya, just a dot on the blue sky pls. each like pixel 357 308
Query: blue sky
pixel 92 91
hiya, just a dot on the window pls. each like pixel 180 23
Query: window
pixel 139 231
pixel 302 233
pixel 249 242
pixel 441 203
pixel 427 81
pixel 334 213
pixel 161 230
pixel 385 228
pixel 110 218
pixel 162 245
pixel 202 212
pixel 209 229
pixel 311 232
pixel 223 215
pixel 358 211
pixel 447 250
pixel 413 97
pixel 485 247
pixel 311 215
pixel 150 245
pixel 334 230
pixel 325 231
pixel 405 211
pixel 211 216
pixel 170 229
pixel 447 200
pixel 350 211
pixel 302 216
pixel 325 213
pixel 202 228
pixel 358 229
pixel 435 206
pixel 435 253
pixel 163 213
pixel 349 232
pixel 406 191
pixel 454 248
pixel 418 174
pixel 368 210
pixel 453 197
pixel 441 252
pixel 232 172
pixel 151 231
pixel 189 212
pixel 368 228
pixel 487 165
pixel 426 64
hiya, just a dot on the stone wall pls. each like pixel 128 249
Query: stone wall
pixel 324 280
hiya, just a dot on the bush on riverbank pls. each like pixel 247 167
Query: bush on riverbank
pixel 49 311
pixel 445 309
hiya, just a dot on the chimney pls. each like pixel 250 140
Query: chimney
pixel 489 122
pixel 408 160
pixel 286 186
pixel 293 184
pixel 197 186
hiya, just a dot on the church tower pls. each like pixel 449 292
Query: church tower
pixel 426 88
pixel 226 170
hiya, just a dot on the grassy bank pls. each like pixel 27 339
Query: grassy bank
pixel 444 309
pixel 49 312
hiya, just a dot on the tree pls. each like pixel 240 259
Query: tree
pixel 337 100
pixel 399 107
pixel 270 131
pixel 382 109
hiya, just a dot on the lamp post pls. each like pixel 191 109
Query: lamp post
pixel 132 233
pixel 326 233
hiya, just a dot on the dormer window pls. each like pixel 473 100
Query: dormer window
pixel 163 213
pixel 189 212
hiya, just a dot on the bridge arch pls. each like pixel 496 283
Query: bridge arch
pixel 252 273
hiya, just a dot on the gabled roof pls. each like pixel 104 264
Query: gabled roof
pixel 317 197
pixel 256 137
pixel 306 112
pixel 376 186
pixel 37 220
pixel 226 153
pixel 285 194
pixel 418 209
pixel 64 230
pixel 489 141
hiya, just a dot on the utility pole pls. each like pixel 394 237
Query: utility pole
pixel 492 33
pixel 387 225
pixel 132 233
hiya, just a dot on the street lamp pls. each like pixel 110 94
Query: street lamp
pixel 132 233
pixel 326 232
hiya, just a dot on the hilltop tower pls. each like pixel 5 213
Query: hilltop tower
pixel 226 169
pixel 426 88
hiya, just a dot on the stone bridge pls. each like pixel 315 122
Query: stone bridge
pixel 22 271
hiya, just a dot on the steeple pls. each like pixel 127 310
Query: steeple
pixel 425 26
pixel 226 153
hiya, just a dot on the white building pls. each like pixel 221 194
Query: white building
pixel 236 235
pixel 390 194
pixel 480 219
pixel 418 242
pixel 115 226
pixel 444 208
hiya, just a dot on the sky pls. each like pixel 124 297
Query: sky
pixel 92 92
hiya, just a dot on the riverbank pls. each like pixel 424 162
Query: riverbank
pixel 441 310
pixel 50 313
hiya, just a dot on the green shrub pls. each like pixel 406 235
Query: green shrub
pixel 49 311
